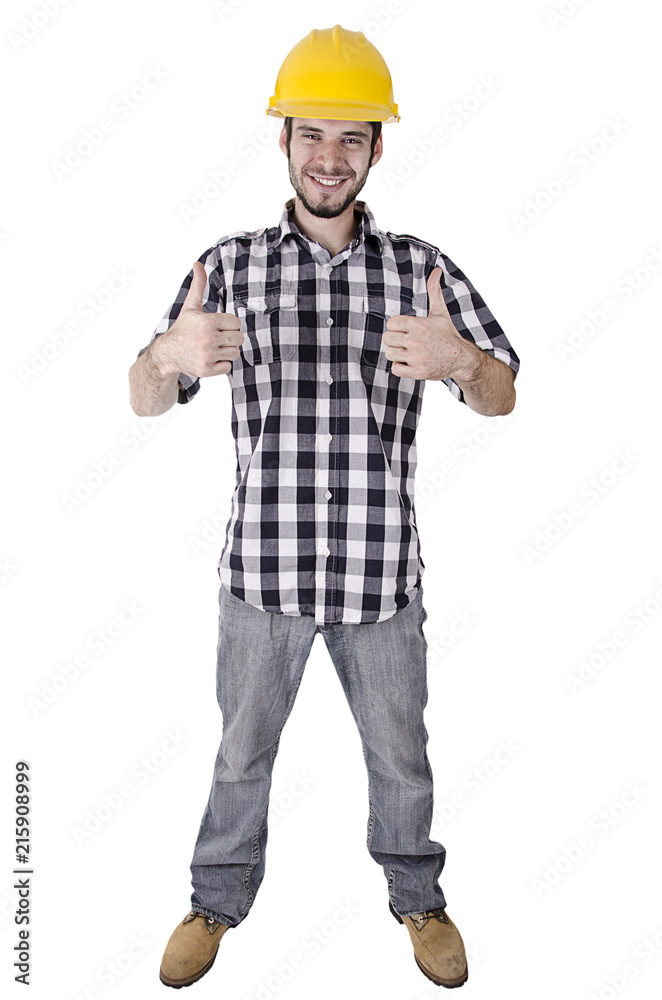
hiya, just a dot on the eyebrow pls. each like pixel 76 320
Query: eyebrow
pixel 314 128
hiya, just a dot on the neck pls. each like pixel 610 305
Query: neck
pixel 332 234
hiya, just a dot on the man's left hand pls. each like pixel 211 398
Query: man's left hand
pixel 429 347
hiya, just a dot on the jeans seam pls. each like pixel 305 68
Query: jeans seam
pixel 391 877
pixel 371 811
pixel 255 857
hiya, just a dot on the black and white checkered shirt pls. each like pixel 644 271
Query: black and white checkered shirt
pixel 323 519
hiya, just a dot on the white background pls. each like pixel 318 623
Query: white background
pixel 540 915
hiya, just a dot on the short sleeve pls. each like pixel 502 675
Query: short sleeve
pixel 213 300
pixel 472 319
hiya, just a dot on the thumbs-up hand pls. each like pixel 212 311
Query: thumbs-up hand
pixel 428 347
pixel 199 343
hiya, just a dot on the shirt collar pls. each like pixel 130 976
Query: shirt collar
pixel 367 226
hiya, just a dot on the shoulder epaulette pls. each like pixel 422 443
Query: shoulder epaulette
pixel 413 239
pixel 241 234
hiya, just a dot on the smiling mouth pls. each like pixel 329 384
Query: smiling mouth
pixel 327 183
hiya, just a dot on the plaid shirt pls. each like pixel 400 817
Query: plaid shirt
pixel 323 519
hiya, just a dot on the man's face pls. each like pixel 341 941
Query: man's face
pixel 337 152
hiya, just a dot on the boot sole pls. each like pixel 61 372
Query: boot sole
pixel 448 983
pixel 178 984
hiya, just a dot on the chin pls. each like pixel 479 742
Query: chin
pixel 328 213
pixel 325 211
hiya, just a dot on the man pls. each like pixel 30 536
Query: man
pixel 328 329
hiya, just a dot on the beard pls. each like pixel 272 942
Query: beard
pixel 326 207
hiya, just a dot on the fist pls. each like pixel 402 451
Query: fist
pixel 200 343
pixel 428 347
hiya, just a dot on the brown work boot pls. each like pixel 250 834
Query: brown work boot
pixel 191 950
pixel 438 946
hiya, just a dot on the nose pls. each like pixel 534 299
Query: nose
pixel 331 158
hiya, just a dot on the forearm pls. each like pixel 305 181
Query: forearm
pixel 153 387
pixel 486 382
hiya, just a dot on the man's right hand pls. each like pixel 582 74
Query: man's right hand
pixel 198 343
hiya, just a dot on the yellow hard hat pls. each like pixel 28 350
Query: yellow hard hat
pixel 334 73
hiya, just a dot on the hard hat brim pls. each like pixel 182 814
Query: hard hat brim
pixel 347 112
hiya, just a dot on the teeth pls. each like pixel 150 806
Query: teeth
pixel 323 180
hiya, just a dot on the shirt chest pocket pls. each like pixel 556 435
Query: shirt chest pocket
pixel 268 321
pixel 377 310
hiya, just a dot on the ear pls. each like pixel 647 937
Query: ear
pixel 379 149
pixel 282 140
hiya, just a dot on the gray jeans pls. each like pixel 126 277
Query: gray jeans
pixel 382 669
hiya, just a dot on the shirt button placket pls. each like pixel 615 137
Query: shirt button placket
pixel 325 305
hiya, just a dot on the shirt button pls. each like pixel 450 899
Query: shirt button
pixel 327 495
pixel 328 269
pixel 329 379
pixel 326 552
pixel 329 322
pixel 329 436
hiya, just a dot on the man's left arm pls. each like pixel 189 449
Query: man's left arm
pixel 487 384
pixel 463 346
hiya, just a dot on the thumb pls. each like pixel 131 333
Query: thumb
pixel 437 305
pixel 193 299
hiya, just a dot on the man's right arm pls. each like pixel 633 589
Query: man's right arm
pixel 153 384
pixel 197 345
